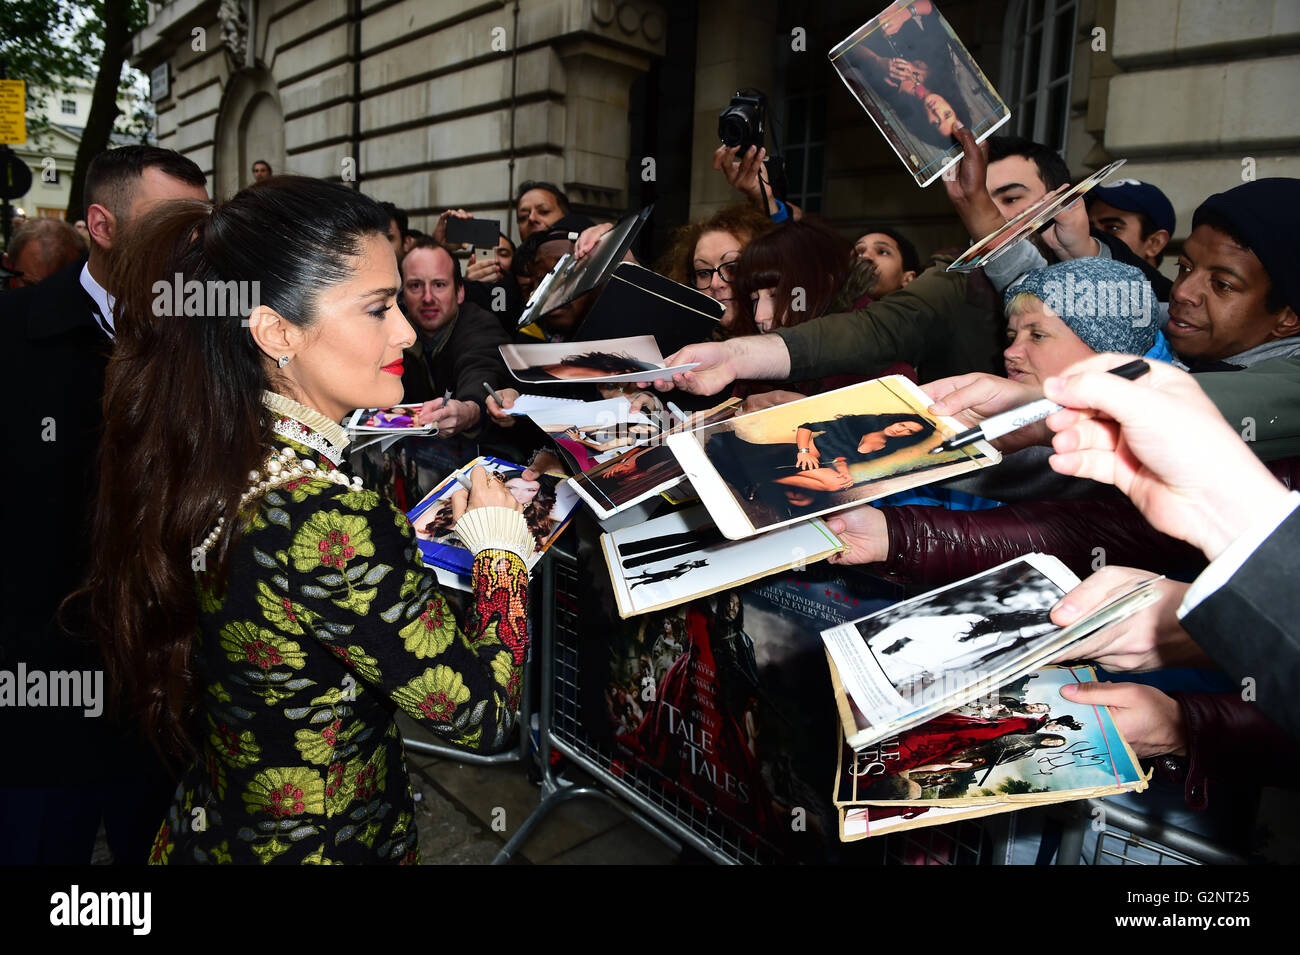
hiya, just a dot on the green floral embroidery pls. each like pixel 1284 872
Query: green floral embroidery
pixel 281 612
pixel 411 585
pixel 503 667
pixel 362 500
pixel 221 853
pixel 234 747
pixel 284 792
pixel 432 632
pixel 317 744
pixel 261 648
pixel 433 695
pixel 329 539
pixel 366 666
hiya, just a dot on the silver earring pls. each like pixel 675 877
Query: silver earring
pixel 284 360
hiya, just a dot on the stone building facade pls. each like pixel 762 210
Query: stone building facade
pixel 425 103
pixel 434 104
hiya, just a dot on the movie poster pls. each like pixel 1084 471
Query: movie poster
pixel 725 703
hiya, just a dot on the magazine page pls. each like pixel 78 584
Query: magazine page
pixel 606 360
pixel 588 433
pixel 863 822
pixel 719 705
pixel 932 653
pixel 917 81
pixel 809 458
pixel 1023 744
pixel 680 556
pixel 547 502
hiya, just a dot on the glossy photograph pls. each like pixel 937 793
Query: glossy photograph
pixel 810 457
pixel 546 502
pixel 917 82
pixel 611 359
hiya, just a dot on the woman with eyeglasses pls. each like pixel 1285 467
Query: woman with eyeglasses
pixel 705 254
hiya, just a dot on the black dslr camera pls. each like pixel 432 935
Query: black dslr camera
pixel 744 122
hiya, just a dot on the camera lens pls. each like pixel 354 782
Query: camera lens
pixel 733 126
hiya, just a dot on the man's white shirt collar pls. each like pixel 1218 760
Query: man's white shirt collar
pixel 103 301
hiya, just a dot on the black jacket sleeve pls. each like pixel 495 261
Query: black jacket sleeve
pixel 1251 625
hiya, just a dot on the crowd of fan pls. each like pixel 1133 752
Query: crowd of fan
pixel 807 310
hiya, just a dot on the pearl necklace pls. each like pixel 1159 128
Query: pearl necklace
pixel 281 467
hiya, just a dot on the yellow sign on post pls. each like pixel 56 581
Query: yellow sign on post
pixel 13 112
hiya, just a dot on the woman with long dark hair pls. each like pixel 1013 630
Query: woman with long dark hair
pixel 263 613
pixel 797 475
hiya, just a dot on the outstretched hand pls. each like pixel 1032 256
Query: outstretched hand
pixel 966 187
pixel 1151 639
pixel 973 398
pixel 1163 443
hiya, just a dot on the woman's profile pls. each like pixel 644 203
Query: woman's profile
pixel 262 612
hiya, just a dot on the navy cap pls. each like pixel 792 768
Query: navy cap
pixel 1133 195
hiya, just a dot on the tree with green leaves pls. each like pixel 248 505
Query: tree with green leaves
pixel 49 43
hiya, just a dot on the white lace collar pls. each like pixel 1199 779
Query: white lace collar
pixel 307 426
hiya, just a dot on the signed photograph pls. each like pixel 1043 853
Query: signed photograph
pixel 547 504
pixel 1024 743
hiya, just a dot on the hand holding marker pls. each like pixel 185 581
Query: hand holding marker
pixel 1017 418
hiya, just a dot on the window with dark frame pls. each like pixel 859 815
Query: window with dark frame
pixel 68 107
pixel 803 138
pixel 1037 69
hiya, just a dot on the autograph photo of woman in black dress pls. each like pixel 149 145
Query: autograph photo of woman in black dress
pixel 792 477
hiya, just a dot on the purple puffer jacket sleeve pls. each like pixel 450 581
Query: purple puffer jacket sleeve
pixel 1229 741
pixel 933 546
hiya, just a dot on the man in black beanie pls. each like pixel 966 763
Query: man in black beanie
pixel 1236 301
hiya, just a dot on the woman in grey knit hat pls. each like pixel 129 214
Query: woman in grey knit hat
pixel 1065 312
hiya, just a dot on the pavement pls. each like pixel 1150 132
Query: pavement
pixel 466 813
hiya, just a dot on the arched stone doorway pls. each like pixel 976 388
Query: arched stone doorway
pixel 250 127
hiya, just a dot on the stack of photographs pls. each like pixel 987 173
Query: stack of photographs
pixel 548 504
pixel 1024 745
pixel 588 433
pixel 368 426
pixel 641 472
pixel 923 657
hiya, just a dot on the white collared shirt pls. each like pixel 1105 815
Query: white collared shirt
pixel 1237 553
pixel 103 301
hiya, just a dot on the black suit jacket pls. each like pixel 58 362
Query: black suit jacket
pixel 52 375
pixel 1251 625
